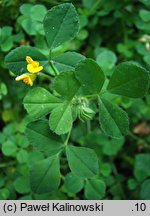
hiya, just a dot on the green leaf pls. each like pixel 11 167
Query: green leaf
pixel 22 185
pixel 73 183
pixel 16 59
pixel 83 162
pixel 61 24
pixel 45 175
pixel 112 146
pixel 35 156
pixel 124 50
pixel 126 80
pixel 145 2
pixel 144 26
pixel 145 15
pixel 106 61
pixel 21 140
pixel 113 120
pixel 40 137
pixel 147 59
pixel 106 169
pixel 6 39
pixel 39 102
pixel 29 25
pixel 2 137
pixel 61 119
pixel 145 190
pixel 67 61
pixel 67 85
pixel 4 194
pixel 88 4
pixel 3 89
pixel 22 156
pixel 132 184
pixel 25 8
pixel 95 189
pixel 141 167
pixel 7 44
pixel 32 18
pixel 9 148
pixel 5 32
pixel 38 12
pixel 90 76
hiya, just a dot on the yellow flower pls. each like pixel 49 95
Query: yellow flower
pixel 33 66
pixel 27 78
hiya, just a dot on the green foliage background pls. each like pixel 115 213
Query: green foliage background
pixel 110 32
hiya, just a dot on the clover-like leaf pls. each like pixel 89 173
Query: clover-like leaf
pixel 95 189
pixel 90 75
pixel 73 183
pixel 83 162
pixel 113 120
pixel 67 61
pixel 42 139
pixel 67 85
pixel 45 175
pixel 61 24
pixel 39 102
pixel 129 79
pixel 141 166
pixel 61 119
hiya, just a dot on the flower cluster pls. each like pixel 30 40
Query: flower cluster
pixel 146 39
pixel 33 67
pixel 81 109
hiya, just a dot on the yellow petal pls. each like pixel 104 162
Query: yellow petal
pixel 21 77
pixel 27 78
pixel 28 81
pixel 33 69
pixel 35 64
pixel 29 59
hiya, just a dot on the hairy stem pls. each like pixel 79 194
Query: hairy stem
pixel 67 138
pixel 51 64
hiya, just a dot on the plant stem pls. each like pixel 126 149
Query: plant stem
pixel 51 64
pixel 95 96
pixel 89 127
pixel 67 139
pixel 102 92
pixel 11 163
pixel 92 96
